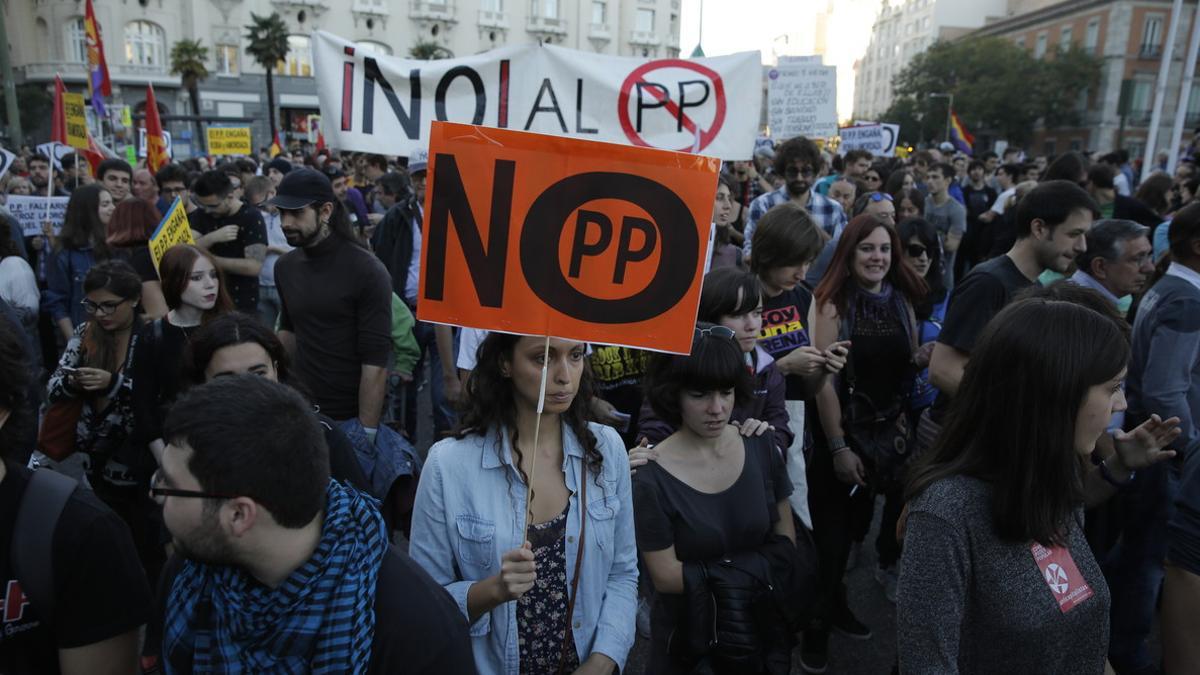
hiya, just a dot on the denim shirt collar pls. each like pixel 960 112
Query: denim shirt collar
pixel 500 437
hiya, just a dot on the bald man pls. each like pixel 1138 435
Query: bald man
pixel 144 186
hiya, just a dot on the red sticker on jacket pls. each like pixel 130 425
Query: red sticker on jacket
pixel 1062 576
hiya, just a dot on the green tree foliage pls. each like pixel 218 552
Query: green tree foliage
pixel 428 51
pixel 268 45
pixel 188 59
pixel 998 88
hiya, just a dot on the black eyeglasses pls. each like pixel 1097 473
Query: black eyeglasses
pixel 916 250
pixel 716 331
pixel 159 494
pixel 101 308
pixel 873 179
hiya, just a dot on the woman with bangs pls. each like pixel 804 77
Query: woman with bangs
pixel 195 292
pixel 524 516
pixel 997 576
pixel 867 297
pixel 711 492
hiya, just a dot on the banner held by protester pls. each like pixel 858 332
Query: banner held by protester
pixel 172 229
pixel 377 103
pixel 544 235
pixel 31 212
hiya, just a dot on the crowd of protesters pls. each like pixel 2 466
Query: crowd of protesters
pixel 213 460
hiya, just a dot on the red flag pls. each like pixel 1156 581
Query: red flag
pixel 58 118
pixel 276 146
pixel 156 143
pixel 320 141
pixel 97 152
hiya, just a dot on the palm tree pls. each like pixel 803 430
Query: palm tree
pixel 429 50
pixel 268 38
pixel 187 61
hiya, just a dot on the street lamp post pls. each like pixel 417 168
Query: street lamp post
pixel 949 109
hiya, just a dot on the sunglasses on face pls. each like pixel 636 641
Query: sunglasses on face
pixel 716 331
pixel 805 172
pixel 916 250
pixel 872 179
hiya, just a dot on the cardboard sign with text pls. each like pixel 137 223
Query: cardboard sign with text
pixel 229 141
pixel 172 229
pixel 545 235
pixel 33 210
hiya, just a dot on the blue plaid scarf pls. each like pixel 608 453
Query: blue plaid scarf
pixel 321 619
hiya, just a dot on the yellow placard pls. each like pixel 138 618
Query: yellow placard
pixel 229 141
pixel 76 121
pixel 173 229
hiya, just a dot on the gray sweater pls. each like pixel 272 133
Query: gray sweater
pixel 1164 366
pixel 970 602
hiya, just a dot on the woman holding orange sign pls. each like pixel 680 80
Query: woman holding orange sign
pixel 556 593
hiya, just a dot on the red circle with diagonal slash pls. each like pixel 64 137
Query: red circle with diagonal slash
pixel 706 136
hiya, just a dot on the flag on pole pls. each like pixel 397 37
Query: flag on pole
pixel 320 140
pixel 156 144
pixel 99 84
pixel 959 136
pixel 97 152
pixel 58 117
pixel 276 146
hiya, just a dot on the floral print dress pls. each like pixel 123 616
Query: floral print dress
pixel 542 612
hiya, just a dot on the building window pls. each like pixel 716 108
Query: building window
pixel 144 44
pixel 374 47
pixel 547 9
pixel 599 12
pixel 227 59
pixel 1091 39
pixel 76 43
pixel 299 57
pixel 1139 101
pixel 1064 40
pixel 496 6
pixel 1039 49
pixel 1152 33
pixel 1021 42
pixel 645 20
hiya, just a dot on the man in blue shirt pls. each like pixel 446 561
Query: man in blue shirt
pixel 797 160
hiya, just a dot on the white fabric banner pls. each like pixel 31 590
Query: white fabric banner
pixel 376 103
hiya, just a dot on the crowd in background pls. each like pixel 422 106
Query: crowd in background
pixel 998 357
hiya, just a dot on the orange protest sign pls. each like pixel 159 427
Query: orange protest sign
pixel 547 235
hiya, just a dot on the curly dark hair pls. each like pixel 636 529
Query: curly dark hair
pixel 489 402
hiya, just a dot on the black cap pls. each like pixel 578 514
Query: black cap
pixel 281 165
pixel 302 187
pixel 333 172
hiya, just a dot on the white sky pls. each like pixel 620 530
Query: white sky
pixel 783 27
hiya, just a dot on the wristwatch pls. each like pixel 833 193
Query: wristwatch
pixel 1106 473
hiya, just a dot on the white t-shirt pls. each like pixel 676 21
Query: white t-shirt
pixel 18 285
pixel 1002 200
pixel 468 344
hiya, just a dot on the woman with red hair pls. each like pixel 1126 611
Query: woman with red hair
pixel 867 297
pixel 128 238
pixel 195 291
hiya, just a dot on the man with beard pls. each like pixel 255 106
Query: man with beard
pixel 281 569
pixel 335 298
pixel 40 175
pixel 797 160
pixel 1052 225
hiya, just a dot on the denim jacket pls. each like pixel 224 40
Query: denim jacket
pixel 470 509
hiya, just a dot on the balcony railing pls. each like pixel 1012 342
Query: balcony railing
pixel 43 71
pixel 437 11
pixel 1149 51
pixel 644 37
pixel 545 24
pixel 489 18
pixel 600 31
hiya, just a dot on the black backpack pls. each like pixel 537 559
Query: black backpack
pixel 33 537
